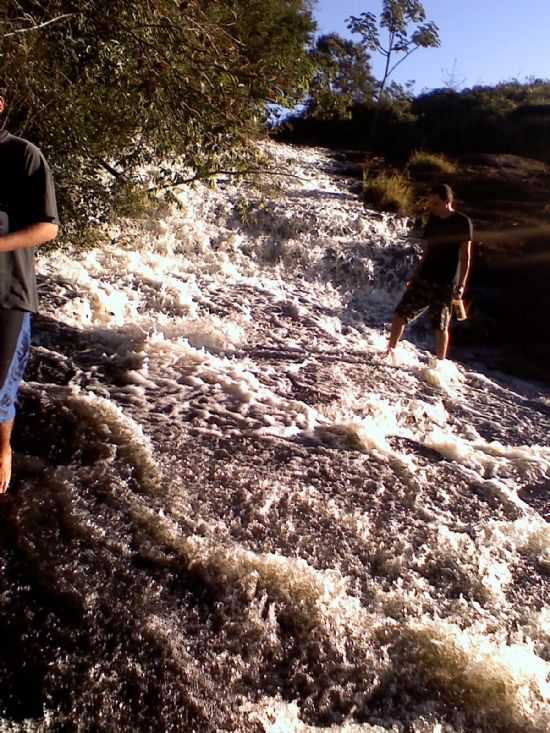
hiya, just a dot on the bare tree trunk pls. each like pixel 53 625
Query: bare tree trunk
pixel 374 123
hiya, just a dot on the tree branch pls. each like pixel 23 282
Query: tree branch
pixel 111 170
pixel 394 67
pixel 39 26
pixel 212 174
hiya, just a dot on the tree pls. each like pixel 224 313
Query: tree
pixel 395 19
pixel 110 88
pixel 451 78
pixel 341 79
pixel 274 36
pixel 509 117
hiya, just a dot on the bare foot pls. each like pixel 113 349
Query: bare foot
pixel 5 469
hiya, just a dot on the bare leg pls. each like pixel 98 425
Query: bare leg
pixel 441 343
pixel 5 455
pixel 397 328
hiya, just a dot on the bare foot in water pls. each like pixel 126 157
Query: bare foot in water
pixel 5 469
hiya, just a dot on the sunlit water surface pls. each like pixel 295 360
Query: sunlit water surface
pixel 231 514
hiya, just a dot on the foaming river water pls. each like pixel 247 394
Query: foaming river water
pixel 229 514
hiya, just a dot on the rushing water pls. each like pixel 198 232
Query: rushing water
pixel 230 514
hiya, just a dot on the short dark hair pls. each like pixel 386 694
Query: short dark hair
pixel 444 191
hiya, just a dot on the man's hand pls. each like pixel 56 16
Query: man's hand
pixel 458 292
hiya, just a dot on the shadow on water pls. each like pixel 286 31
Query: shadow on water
pixel 25 656
pixel 90 661
pixel 67 350
pixel 70 601
pixel 538 496
pixel 63 356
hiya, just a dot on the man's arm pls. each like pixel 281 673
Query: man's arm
pixel 31 236
pixel 464 261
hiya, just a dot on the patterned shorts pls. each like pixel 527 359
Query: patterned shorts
pixel 422 295
pixel 15 344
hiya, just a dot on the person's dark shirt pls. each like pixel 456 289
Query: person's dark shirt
pixel 443 239
pixel 27 196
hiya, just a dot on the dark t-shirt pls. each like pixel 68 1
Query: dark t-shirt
pixel 27 196
pixel 444 237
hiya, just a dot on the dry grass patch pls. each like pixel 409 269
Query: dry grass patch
pixel 388 192
pixel 423 161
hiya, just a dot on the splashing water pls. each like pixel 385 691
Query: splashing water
pixel 229 513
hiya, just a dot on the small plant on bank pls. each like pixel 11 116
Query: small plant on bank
pixel 422 161
pixel 388 192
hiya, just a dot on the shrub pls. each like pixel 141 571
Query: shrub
pixel 421 160
pixel 388 192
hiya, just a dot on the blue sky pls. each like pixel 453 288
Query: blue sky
pixel 482 41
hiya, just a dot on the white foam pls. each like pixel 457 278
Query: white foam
pixel 109 421
pixel 529 535
pixel 506 681
pixel 277 716
pixel 443 374
pixel 255 329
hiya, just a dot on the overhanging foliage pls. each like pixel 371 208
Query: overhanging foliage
pixel 109 88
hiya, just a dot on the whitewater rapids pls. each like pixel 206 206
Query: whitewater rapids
pixel 230 514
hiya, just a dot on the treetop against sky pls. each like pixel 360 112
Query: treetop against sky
pixel 481 42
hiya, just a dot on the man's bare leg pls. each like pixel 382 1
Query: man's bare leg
pixel 397 328
pixel 441 343
pixel 5 455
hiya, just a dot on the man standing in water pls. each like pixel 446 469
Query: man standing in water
pixel 28 218
pixel 442 273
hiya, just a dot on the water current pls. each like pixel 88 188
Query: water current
pixel 229 513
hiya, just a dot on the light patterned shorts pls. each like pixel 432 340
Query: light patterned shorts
pixel 15 345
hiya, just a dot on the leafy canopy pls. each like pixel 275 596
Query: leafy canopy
pixel 110 89
pixel 342 77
